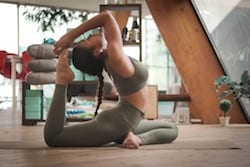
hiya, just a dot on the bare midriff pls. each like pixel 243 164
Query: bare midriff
pixel 137 99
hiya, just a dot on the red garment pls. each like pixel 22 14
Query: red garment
pixel 5 66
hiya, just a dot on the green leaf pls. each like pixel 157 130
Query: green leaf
pixel 48 18
pixel 231 84
pixel 245 78
pixel 221 80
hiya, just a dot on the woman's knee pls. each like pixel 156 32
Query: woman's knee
pixel 49 141
pixel 171 132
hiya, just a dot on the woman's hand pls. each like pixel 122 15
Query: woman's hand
pixel 64 43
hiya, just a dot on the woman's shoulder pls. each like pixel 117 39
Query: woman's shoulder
pixel 121 65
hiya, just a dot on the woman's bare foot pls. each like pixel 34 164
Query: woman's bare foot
pixel 64 74
pixel 132 141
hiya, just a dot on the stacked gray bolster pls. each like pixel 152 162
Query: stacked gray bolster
pixel 43 65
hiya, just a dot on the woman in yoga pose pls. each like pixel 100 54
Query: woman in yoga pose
pixel 122 124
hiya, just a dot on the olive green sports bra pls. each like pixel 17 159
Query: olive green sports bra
pixel 126 86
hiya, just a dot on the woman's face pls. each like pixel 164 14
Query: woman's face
pixel 93 41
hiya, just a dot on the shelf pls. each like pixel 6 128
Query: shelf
pixel 122 14
pixel 161 97
pixel 121 7
pixel 128 43
pixel 174 97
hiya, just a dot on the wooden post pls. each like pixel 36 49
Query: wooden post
pixel 194 57
pixel 122 18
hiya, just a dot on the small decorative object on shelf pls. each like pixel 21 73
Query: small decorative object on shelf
pixel 125 34
pixel 128 17
pixel 134 33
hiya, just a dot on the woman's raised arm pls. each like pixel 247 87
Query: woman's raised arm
pixel 104 20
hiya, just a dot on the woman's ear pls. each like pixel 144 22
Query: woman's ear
pixel 97 51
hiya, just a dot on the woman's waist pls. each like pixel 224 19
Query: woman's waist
pixel 137 99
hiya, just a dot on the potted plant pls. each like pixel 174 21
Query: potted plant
pixel 225 106
pixel 238 89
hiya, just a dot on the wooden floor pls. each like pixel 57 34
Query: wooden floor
pixel 34 152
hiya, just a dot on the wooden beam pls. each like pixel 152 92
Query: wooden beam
pixel 120 12
pixel 122 18
pixel 194 57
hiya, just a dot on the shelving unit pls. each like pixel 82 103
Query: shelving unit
pixel 33 113
pixel 25 119
pixel 122 13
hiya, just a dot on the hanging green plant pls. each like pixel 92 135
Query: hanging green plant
pixel 238 89
pixel 48 18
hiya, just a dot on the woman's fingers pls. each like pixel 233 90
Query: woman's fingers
pixel 58 48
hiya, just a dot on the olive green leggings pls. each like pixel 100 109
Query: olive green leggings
pixel 109 126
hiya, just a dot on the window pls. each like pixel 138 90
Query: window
pixel 9 27
pixel 228 26
pixel 162 70
pixel 30 33
pixel 18 34
pixel 8 42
